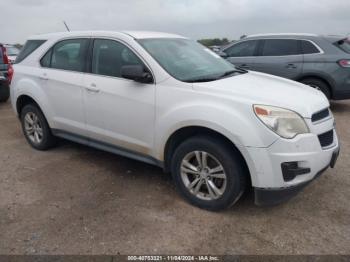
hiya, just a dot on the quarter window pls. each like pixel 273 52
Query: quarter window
pixel 46 60
pixel 309 48
pixel 109 56
pixel 281 47
pixel 67 55
pixel 29 47
pixel 246 48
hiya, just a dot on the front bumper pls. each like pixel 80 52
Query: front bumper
pixel 306 157
pixel 268 197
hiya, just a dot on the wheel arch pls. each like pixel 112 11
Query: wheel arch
pixel 323 78
pixel 24 100
pixel 178 136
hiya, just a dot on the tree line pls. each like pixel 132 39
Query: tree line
pixel 214 41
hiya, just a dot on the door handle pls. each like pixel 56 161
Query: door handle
pixel 244 66
pixel 92 89
pixel 291 66
pixel 44 77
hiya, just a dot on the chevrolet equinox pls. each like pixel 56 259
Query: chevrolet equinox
pixel 168 101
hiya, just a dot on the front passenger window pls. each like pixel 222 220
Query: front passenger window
pixel 246 48
pixel 109 56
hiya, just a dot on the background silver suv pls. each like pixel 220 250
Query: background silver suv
pixel 319 61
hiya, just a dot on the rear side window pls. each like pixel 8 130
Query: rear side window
pixel 309 48
pixel 344 45
pixel 281 47
pixel 29 47
pixel 67 55
pixel 246 48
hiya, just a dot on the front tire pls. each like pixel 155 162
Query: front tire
pixel 36 129
pixel 208 173
pixel 319 85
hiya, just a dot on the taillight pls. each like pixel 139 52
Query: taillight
pixel 10 72
pixel 344 63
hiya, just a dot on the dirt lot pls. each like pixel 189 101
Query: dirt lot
pixel 78 200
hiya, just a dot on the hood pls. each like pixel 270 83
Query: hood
pixel 264 89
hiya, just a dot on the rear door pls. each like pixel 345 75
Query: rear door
pixel 280 57
pixel 62 73
pixel 242 54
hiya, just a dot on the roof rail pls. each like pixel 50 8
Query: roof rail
pixel 282 34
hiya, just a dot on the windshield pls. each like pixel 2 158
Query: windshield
pixel 187 60
pixel 12 51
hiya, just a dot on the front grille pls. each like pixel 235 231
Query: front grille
pixel 320 115
pixel 326 139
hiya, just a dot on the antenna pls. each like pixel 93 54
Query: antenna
pixel 64 22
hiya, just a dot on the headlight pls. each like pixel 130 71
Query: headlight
pixel 285 123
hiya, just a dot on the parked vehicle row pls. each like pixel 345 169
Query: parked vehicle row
pixel 12 53
pixel 167 100
pixel 322 62
pixel 5 74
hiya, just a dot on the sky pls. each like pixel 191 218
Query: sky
pixel 192 18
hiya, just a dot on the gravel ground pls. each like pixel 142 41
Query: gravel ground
pixel 77 200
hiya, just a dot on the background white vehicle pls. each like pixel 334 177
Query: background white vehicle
pixel 12 53
pixel 166 100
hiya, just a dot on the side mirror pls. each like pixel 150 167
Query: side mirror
pixel 222 54
pixel 136 73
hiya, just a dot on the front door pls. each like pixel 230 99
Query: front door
pixel 280 57
pixel 242 54
pixel 119 112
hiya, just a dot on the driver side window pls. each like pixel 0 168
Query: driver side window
pixel 246 48
pixel 109 56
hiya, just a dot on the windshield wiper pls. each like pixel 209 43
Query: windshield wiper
pixel 209 79
pixel 231 72
pixel 201 79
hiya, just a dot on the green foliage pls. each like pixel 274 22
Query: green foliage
pixel 19 46
pixel 214 41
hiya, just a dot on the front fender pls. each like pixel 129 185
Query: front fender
pixel 240 126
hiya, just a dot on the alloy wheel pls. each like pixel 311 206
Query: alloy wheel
pixel 203 175
pixel 33 128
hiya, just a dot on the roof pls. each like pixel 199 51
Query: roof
pixel 150 34
pixel 282 34
pixel 134 34
pixel 298 36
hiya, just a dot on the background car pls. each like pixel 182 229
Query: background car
pixel 12 53
pixel 322 62
pixel 215 48
pixel 6 73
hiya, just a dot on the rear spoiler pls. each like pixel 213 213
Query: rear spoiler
pixel 341 41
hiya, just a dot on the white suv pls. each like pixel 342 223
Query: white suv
pixel 167 100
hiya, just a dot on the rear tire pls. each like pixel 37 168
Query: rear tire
pixel 4 93
pixel 197 180
pixel 318 84
pixel 36 129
